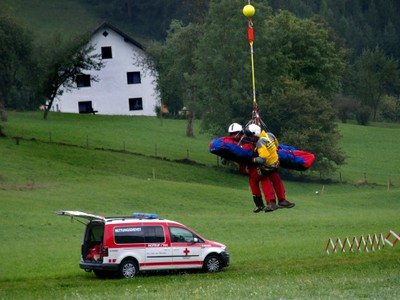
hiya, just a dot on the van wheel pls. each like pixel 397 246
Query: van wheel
pixel 212 263
pixel 128 269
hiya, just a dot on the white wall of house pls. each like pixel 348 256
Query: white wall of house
pixel 111 94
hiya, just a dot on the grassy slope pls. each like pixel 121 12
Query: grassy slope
pixel 47 17
pixel 279 255
pixel 371 153
pixel 370 150
pixel 275 255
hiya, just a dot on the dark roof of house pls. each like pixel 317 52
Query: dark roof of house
pixel 126 37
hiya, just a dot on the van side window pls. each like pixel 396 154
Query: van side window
pixel 129 235
pixel 181 235
pixel 154 234
pixel 139 234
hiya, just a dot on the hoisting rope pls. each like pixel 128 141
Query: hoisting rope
pixel 249 11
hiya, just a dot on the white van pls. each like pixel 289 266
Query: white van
pixel 127 245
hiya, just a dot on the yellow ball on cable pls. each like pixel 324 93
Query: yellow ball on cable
pixel 249 11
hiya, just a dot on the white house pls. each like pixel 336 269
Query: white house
pixel 123 88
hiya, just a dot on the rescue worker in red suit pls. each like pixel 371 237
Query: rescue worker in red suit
pixel 236 132
pixel 235 136
pixel 268 162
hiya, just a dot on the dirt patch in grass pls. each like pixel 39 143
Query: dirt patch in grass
pixel 22 186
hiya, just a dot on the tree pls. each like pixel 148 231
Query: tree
pixel 375 75
pixel 345 107
pixel 299 65
pixel 391 108
pixel 326 12
pixel 303 70
pixel 223 70
pixel 302 49
pixel 173 61
pixel 301 117
pixel 390 40
pixel 17 68
pixel 150 18
pixel 62 62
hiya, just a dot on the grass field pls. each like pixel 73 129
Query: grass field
pixel 66 162
pixel 47 17
pixel 68 18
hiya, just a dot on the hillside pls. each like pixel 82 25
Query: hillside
pixel 166 140
pixel 111 165
pixel 46 17
pixel 360 24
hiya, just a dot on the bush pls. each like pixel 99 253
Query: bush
pixel 363 115
pixel 390 109
pixel 345 107
pixel 2 134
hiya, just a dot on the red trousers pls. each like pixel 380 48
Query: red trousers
pixel 269 183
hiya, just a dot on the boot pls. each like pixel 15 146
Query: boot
pixel 286 204
pixel 259 204
pixel 271 206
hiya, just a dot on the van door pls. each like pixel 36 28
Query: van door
pixel 158 252
pixel 147 243
pixel 187 248
pixel 93 237
pixel 93 241
pixel 79 214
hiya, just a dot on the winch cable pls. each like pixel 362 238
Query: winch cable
pixel 249 11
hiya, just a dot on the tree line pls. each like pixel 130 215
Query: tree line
pixel 368 29
pixel 305 77
pixel 361 24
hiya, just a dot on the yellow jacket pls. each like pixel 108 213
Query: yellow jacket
pixel 266 148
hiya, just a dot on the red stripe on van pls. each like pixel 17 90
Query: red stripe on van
pixel 177 263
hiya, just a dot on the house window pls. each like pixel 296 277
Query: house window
pixel 85 107
pixel 106 52
pixel 135 104
pixel 82 80
pixel 133 77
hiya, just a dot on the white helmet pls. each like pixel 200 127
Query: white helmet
pixel 235 127
pixel 254 129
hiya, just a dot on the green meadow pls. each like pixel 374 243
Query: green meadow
pixel 47 17
pixel 115 165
